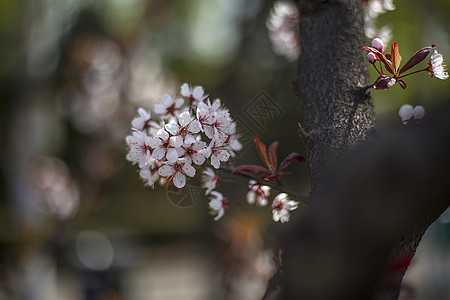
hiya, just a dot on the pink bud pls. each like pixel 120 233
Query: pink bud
pixel 378 44
pixel 371 57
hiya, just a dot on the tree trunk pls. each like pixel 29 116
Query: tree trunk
pixel 371 200
pixel 338 114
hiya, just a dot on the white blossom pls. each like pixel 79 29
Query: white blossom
pixel 185 128
pixel 149 173
pixel 195 152
pixel 165 146
pixel 218 204
pixel 217 151
pixel 177 172
pixel 169 106
pixel 209 180
pixel 141 122
pixel 437 66
pixel 139 148
pixel 282 24
pixel 281 207
pixel 257 193
pixel 195 95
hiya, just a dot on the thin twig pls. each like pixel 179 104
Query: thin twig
pixel 303 198
pixel 303 134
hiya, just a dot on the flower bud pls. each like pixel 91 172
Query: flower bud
pixel 378 44
pixel 418 112
pixel 371 57
pixel 406 112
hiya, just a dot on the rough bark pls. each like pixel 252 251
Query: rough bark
pixel 365 216
pixel 332 73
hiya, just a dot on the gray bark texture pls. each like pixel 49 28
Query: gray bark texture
pixel 372 197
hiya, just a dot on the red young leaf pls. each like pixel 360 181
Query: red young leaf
pixel 288 160
pixel 396 58
pixel 383 82
pixel 273 155
pixel 271 177
pixel 402 84
pixel 417 58
pixel 380 56
pixel 251 169
pixel 262 151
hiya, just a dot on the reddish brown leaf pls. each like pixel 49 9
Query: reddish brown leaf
pixel 402 84
pixel 262 151
pixel 273 156
pixel 270 177
pixel 288 160
pixel 396 58
pixel 417 58
pixel 251 169
pixel 383 82
pixel 380 56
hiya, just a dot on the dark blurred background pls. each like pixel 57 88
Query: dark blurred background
pixel 75 220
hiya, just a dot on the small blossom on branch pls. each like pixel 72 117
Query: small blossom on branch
pixel 257 193
pixel 437 67
pixel 168 107
pixel 218 204
pixel 281 208
pixel 194 95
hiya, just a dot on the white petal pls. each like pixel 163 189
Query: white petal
pixel 194 127
pixel 291 205
pixel 185 90
pixel 166 170
pixel 162 134
pixel 199 145
pixel 176 141
pixel 419 112
pixel 159 153
pixel 406 112
pixel 223 155
pixel 198 159
pixel 251 197
pixel 172 155
pixel 154 142
pixel 138 123
pixel 209 131
pixel 179 180
pixel 184 118
pixel 216 104
pixel 198 93
pixel 143 113
pixel 159 109
pixel 189 170
pixel 189 139
pixel 179 102
pixel 220 214
pixel 172 128
pixel 215 162
pixel 166 100
pixel 206 152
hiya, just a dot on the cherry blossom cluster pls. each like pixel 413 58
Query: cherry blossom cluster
pixel 391 61
pixel 282 24
pixel 372 9
pixel 191 132
pixel 187 132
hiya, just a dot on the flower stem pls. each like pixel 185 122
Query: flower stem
pixel 237 199
pixel 293 194
pixel 426 69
